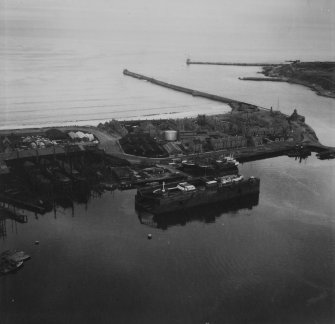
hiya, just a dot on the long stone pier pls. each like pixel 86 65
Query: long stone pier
pixel 233 103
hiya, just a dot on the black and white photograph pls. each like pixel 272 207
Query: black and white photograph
pixel 167 162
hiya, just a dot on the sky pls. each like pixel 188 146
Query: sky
pixel 297 27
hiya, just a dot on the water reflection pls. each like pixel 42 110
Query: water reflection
pixel 4 221
pixel 3 227
pixel 17 212
pixel 299 159
pixel 300 153
pixel 205 214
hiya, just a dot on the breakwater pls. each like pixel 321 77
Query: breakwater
pixel 192 92
pixel 188 62
pixel 263 79
pixel 232 102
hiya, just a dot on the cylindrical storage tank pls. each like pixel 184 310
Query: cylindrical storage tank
pixel 171 135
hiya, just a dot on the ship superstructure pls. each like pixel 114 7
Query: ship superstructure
pixel 195 192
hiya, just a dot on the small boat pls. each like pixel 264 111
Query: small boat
pixel 18 256
pixel 10 266
pixel 188 163
pixel 326 155
pixel 11 261
pixel 231 179
pixel 302 153
pixel 231 160
pixel 108 186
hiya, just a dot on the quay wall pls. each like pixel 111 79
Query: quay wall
pixel 240 154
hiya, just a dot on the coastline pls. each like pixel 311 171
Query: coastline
pixel 314 88
pixel 317 76
pixel 109 144
pixel 293 128
pixel 93 123
pixel 300 134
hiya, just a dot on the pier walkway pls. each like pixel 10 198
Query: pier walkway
pixel 232 102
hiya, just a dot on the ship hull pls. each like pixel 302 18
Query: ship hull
pixel 203 213
pixel 197 198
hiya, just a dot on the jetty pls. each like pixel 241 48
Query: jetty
pixel 188 62
pixel 262 79
pixel 195 93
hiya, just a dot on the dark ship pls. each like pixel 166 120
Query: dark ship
pixel 198 213
pixel 195 192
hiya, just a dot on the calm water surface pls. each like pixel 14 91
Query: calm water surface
pixel 273 263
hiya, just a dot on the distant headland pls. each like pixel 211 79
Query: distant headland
pixel 318 76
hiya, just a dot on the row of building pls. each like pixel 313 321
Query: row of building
pixel 262 131
pixel 198 142
pixel 191 141
pixel 228 142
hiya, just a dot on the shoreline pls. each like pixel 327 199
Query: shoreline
pixel 70 166
pixel 318 91
pixel 109 143
pixel 315 75
pixel 292 130
pixel 94 123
